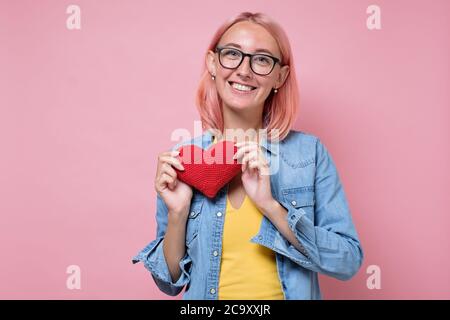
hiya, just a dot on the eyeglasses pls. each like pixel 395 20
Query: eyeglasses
pixel 261 64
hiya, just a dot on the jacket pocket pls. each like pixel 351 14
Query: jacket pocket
pixel 193 222
pixel 300 198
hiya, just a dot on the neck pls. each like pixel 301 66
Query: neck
pixel 242 120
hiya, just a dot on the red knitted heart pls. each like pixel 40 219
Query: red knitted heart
pixel 208 170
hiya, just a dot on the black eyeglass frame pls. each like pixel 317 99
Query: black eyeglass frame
pixel 219 49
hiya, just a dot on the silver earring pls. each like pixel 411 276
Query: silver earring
pixel 213 77
pixel 275 90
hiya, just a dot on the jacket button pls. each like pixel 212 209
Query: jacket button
pixel 294 202
pixel 219 214
pixel 215 253
pixel 212 290
pixel 192 213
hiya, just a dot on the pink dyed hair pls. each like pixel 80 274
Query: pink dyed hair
pixel 280 109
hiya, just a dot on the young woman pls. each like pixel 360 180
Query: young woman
pixel 270 231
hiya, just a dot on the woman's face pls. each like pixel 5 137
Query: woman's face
pixel 248 37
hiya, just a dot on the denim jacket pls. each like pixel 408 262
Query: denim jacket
pixel 306 183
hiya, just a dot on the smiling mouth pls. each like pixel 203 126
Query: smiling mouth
pixel 240 87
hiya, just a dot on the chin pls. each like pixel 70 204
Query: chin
pixel 242 105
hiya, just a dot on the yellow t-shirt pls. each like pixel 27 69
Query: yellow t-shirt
pixel 248 270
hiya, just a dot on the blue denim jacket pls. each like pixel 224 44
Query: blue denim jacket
pixel 307 185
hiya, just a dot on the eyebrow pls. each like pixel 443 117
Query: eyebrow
pixel 257 50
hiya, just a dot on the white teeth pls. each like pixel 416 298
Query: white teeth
pixel 241 87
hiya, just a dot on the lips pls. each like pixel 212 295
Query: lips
pixel 231 85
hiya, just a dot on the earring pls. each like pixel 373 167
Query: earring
pixel 275 90
pixel 213 77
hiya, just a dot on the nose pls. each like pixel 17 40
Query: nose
pixel 245 69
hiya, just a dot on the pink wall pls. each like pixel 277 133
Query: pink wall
pixel 83 114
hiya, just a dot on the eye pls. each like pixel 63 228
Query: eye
pixel 262 60
pixel 231 53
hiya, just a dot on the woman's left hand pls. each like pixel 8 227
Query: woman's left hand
pixel 255 173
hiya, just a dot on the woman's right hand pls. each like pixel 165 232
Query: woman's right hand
pixel 176 194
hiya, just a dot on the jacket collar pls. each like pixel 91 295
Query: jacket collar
pixel 271 147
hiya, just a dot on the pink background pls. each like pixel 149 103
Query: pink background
pixel 84 113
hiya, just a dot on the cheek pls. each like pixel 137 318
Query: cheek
pixel 221 79
pixel 221 86
pixel 265 88
pixel 265 83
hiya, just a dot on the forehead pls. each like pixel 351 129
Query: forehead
pixel 250 36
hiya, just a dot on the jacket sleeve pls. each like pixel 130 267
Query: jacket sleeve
pixel 153 257
pixel 330 244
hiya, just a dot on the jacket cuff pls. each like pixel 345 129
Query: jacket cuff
pixel 153 258
pixel 303 228
pixel 298 221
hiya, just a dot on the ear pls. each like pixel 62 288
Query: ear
pixel 282 76
pixel 211 62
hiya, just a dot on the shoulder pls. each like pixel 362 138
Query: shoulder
pixel 300 137
pixel 300 144
pixel 302 148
